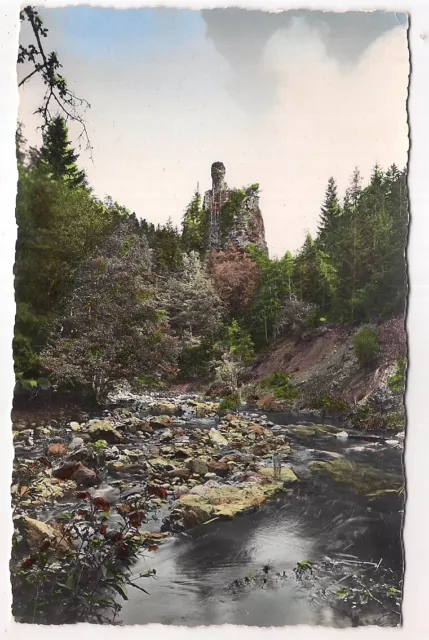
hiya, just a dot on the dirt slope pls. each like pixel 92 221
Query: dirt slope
pixel 324 362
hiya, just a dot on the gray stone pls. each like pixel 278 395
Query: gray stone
pixel 248 225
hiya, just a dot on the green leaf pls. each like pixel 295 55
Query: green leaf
pixel 120 588
pixel 393 591
pixel 71 581
pixel 342 593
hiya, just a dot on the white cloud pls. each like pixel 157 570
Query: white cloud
pixel 157 124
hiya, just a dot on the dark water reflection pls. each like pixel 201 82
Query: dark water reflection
pixel 317 519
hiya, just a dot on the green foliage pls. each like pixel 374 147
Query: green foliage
pixel 195 226
pixel 195 360
pixel 149 382
pixel 276 284
pixel 303 567
pixel 396 382
pixel 231 403
pixel 239 342
pixel 100 445
pixel 107 333
pixel 355 269
pixel 62 587
pixel 330 403
pixel 281 385
pixel 367 346
pixel 167 247
pixel 367 416
pixel 230 212
pixel 57 157
pixel 59 226
pixel 396 421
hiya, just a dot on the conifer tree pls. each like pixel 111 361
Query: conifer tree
pixel 57 155
pixel 195 226
pixel 329 217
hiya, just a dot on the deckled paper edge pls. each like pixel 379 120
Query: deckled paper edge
pixel 417 443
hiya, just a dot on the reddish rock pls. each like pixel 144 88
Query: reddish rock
pixel 259 430
pixel 219 468
pixel 85 477
pixel 57 449
pixel 66 471
pixel 261 450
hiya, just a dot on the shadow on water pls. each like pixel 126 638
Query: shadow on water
pixel 319 518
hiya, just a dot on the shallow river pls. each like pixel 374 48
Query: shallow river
pixel 318 519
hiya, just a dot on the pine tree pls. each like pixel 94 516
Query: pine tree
pixel 195 228
pixel 329 217
pixel 57 156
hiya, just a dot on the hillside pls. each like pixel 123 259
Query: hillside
pixel 324 363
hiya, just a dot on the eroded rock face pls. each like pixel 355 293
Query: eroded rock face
pixel 245 224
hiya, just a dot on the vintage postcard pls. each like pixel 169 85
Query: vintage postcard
pixel 211 286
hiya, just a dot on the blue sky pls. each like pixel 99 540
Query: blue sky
pixel 283 101
pixel 90 29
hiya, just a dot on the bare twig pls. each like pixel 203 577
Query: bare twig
pixel 57 90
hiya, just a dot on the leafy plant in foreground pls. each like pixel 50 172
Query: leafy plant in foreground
pixel 63 584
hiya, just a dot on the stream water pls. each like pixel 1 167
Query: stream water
pixel 318 519
pixel 243 571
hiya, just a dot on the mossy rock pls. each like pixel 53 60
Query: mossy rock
pixel 316 430
pixel 287 475
pixel 103 430
pixel 159 462
pixel 225 501
pixel 364 479
pixel 165 408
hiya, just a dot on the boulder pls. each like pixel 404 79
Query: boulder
pixel 219 468
pixel 217 437
pixel 212 501
pixel 259 430
pixel 76 443
pixel 143 426
pixel 65 471
pixel 198 466
pixel 36 534
pixel 167 435
pixel 286 474
pixel 57 449
pixel 165 408
pixel 313 430
pixel 160 422
pixel 179 473
pixel 85 477
pixel 362 478
pixel 103 430
pixel 261 449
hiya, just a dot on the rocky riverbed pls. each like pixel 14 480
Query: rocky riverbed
pixel 308 511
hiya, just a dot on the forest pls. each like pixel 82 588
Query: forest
pixel 103 296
